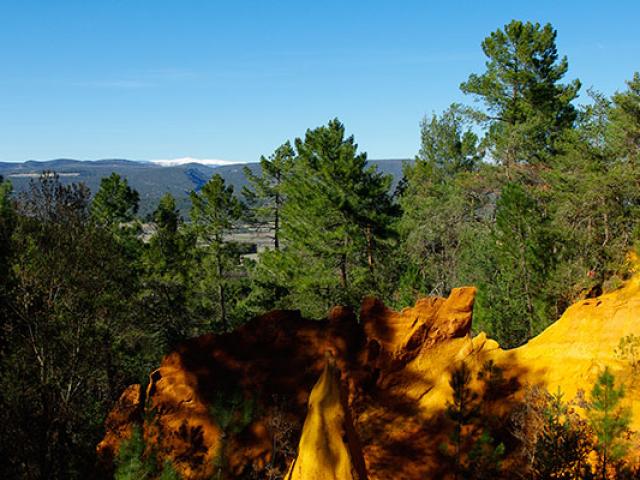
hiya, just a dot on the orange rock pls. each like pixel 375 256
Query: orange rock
pixel 181 427
pixel 390 383
pixel 126 413
pixel 270 362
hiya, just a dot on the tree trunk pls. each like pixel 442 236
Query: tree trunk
pixel 221 297
pixel 369 236
pixel 278 205
pixel 276 224
pixel 343 265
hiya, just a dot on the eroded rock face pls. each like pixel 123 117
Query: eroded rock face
pixel 126 413
pixel 264 369
pixel 329 446
pixel 383 384
pixel 571 353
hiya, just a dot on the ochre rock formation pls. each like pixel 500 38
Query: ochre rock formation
pixel 572 352
pixel 329 447
pixel 120 422
pixel 380 397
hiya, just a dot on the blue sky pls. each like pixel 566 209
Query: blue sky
pixel 161 79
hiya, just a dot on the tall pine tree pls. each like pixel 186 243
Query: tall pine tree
pixel 115 202
pixel 526 106
pixel 264 196
pixel 336 220
pixel 215 212
pixel 168 267
pixel 609 421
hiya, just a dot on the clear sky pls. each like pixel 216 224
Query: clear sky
pixel 160 79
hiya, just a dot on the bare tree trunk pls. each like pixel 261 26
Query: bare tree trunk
pixel 276 224
pixel 369 236
pixel 221 296
pixel 278 205
pixel 343 266
pixel 607 233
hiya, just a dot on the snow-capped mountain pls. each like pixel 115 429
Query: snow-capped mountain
pixel 186 160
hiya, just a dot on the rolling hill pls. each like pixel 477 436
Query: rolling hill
pixel 149 179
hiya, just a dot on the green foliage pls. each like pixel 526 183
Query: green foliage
pixel 168 262
pixel 233 412
pixel 514 258
pixel 130 461
pixel 624 129
pixel 463 406
pixel 448 146
pixel 70 343
pixel 557 442
pixel 551 221
pixel 476 453
pixel 7 213
pixel 264 196
pixel 609 421
pixel 60 298
pixel 336 220
pixel 594 201
pixel 214 213
pixel 7 225
pixel 527 118
pixel 461 410
pixel 136 462
pixel 439 206
pixel 168 472
pixel 527 108
pixel 485 458
pixel 563 444
pixel 115 202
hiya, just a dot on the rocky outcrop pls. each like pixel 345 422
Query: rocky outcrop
pixel 119 424
pixel 329 447
pixel 213 400
pixel 373 392
pixel 572 352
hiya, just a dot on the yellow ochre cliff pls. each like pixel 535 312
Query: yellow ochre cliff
pixel 373 392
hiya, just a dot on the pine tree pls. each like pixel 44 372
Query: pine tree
pixel 563 446
pixel 68 342
pixel 265 198
pixel 7 224
pixel 168 263
pixel 214 213
pixel 594 202
pixel 115 202
pixel 511 267
pixel 625 121
pixel 170 244
pixel 462 411
pixel 476 454
pixel 624 139
pixel 336 219
pixel 609 420
pixel 131 463
pixel 527 108
pixel 448 145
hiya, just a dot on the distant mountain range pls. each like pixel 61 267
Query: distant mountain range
pixel 150 179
